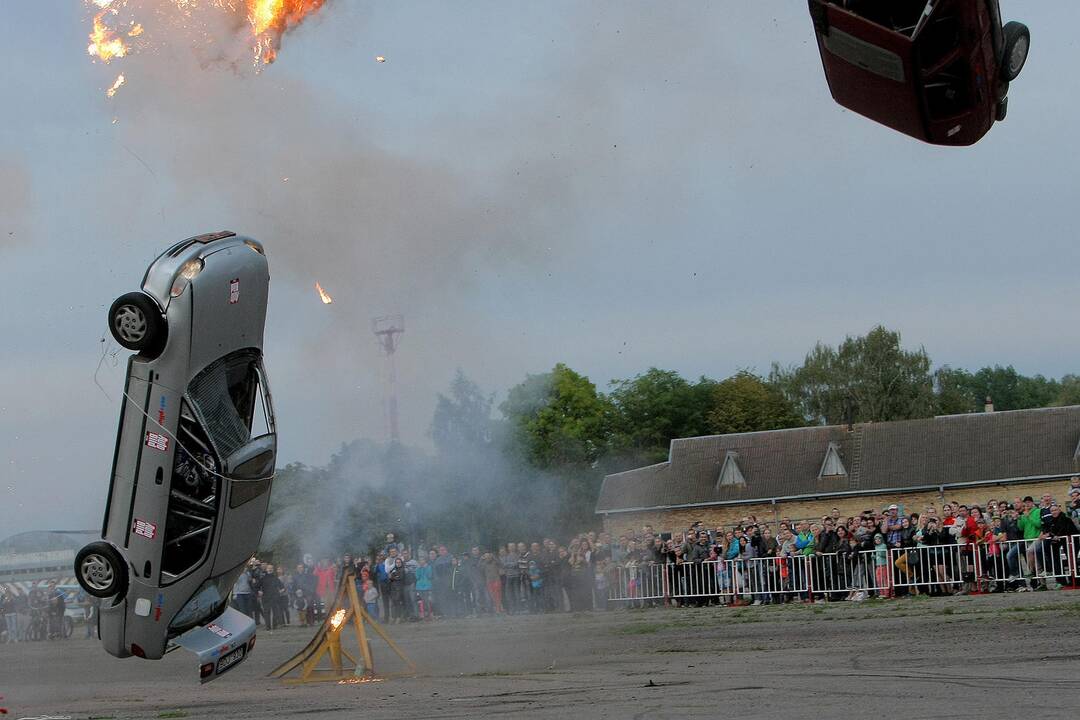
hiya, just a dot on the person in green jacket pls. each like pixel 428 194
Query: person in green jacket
pixel 1030 524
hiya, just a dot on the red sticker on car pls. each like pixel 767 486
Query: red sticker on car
pixel 147 529
pixel 157 441
pixel 234 291
pixel 219 631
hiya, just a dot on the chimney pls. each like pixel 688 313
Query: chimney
pixel 989 406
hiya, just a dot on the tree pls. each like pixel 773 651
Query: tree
pixel 653 408
pixel 746 403
pixel 559 426
pixel 865 379
pixel 462 419
pixel 1069 391
pixel 559 418
pixel 955 392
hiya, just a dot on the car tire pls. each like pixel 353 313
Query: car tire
pixel 1014 55
pixel 100 570
pixel 136 322
pixel 1002 109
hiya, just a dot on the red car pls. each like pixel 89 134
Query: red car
pixel 937 70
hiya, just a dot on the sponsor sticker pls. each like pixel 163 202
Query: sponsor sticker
pixel 157 607
pixel 234 291
pixel 219 631
pixel 161 412
pixel 157 441
pixel 147 529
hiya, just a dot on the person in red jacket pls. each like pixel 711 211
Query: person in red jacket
pixel 324 584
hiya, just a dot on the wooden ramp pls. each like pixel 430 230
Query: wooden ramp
pixel 347 610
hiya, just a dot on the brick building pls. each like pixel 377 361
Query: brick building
pixel 805 472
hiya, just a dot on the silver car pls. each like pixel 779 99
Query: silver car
pixel 194 456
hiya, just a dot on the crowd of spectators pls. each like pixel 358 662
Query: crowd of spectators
pixel 999 546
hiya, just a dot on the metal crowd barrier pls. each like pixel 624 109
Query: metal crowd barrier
pixel 941 568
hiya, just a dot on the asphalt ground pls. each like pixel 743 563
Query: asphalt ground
pixel 989 656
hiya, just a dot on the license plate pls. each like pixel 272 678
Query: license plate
pixel 231 659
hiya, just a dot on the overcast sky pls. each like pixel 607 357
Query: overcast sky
pixel 614 185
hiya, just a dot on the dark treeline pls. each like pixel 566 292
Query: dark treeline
pixel 534 468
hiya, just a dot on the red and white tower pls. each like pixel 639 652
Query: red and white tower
pixel 388 330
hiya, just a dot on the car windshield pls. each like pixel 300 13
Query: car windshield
pixel 206 604
pixel 224 398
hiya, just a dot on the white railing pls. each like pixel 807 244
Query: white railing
pixel 948 568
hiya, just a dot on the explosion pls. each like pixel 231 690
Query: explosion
pixel 262 22
pixel 104 43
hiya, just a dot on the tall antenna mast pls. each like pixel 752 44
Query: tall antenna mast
pixel 388 330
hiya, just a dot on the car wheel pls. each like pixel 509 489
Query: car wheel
pixel 1002 109
pixel 136 323
pixel 100 570
pixel 1017 43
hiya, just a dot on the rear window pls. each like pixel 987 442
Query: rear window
pixel 224 397
pixel 207 603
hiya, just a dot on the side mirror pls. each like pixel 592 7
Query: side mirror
pixel 253 461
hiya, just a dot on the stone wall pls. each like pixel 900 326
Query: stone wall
pixel 725 515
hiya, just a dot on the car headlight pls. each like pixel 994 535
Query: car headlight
pixel 188 271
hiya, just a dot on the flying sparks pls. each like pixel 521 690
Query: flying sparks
pixel 323 296
pixel 116 85
pixel 261 24
pixel 104 43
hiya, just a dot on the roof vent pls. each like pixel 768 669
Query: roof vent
pixel 730 474
pixel 832 466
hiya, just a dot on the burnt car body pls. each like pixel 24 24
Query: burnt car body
pixel 194 457
pixel 937 70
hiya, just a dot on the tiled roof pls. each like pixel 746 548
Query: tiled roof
pixel 977 447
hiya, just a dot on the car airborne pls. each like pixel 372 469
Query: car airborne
pixel 194 456
pixel 938 70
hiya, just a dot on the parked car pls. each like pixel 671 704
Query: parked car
pixel 937 70
pixel 194 457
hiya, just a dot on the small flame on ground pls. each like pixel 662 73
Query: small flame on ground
pixel 326 301
pixel 104 43
pixel 116 85
pixel 337 618
pixel 359 680
pixel 380 58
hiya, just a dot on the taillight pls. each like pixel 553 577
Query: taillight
pixel 206 671
pixel 251 643
pixel 137 651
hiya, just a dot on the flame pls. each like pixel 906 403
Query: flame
pixel 359 680
pixel 104 43
pixel 323 296
pixel 380 58
pixel 116 85
pixel 136 30
pixel 337 618
pixel 270 19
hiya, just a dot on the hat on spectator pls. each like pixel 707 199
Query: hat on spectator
pixel 894 507
pixel 1074 491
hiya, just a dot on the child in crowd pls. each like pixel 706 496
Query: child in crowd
pixel 881 567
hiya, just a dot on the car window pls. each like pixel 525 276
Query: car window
pixel 224 395
pixel 193 496
pixel 207 603
pixel 948 92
